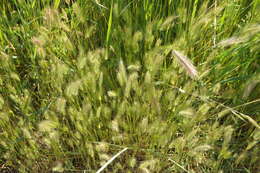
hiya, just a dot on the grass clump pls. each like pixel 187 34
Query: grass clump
pixel 174 82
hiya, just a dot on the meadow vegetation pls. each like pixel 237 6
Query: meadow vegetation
pixel 81 80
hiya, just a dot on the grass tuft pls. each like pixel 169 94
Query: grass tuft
pixel 83 80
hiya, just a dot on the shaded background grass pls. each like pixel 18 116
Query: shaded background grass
pixel 80 80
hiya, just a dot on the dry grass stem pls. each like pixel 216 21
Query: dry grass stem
pixel 111 160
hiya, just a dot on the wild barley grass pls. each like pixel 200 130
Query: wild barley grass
pixel 186 63
pixel 83 80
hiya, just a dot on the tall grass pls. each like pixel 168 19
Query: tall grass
pixel 81 80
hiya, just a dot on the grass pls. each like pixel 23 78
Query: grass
pixel 173 84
